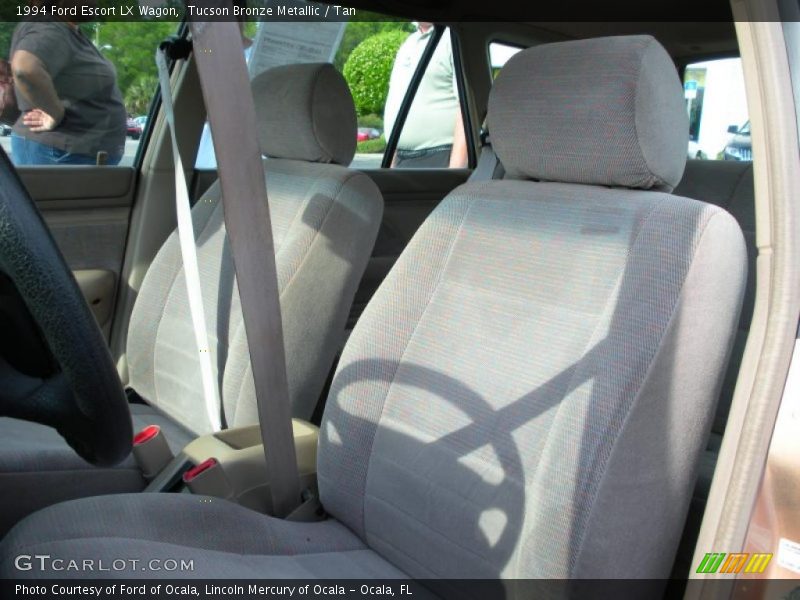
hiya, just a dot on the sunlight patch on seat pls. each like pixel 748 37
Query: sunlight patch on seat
pixel 332 434
pixel 492 524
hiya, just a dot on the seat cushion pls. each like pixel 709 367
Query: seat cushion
pixel 38 468
pixel 222 539
pixel 29 447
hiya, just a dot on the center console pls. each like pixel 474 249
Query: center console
pixel 229 464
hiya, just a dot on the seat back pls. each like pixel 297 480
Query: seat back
pixel 325 219
pixel 529 390
pixel 728 184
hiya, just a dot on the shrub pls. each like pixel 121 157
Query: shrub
pixel 376 146
pixel 355 32
pixel 368 69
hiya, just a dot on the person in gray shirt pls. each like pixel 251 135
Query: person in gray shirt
pixel 72 108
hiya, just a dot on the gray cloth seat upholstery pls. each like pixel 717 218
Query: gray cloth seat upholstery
pixel 37 469
pixel 325 219
pixel 529 391
pixel 164 527
pixel 728 184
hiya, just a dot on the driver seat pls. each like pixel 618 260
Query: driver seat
pixel 528 393
pixel 325 219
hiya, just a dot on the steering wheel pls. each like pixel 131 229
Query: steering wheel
pixel 83 397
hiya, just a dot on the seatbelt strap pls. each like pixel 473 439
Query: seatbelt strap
pixel 309 510
pixel 188 247
pixel 489 166
pixel 224 79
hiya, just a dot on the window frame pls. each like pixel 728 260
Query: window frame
pixel 683 64
pixel 463 99
pixel 181 34
pixel 503 42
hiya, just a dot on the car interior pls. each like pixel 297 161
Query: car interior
pixel 529 374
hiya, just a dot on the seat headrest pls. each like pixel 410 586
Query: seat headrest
pixel 305 112
pixel 606 111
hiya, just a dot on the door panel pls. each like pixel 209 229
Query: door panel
pixel 87 210
pixel 98 287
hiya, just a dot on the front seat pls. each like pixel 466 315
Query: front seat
pixel 529 391
pixel 325 218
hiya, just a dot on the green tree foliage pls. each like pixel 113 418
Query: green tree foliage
pixel 132 49
pixel 357 31
pixel 6 31
pixel 130 46
pixel 376 146
pixel 368 69
pixel 139 94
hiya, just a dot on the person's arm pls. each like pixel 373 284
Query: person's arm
pixel 32 80
pixel 459 158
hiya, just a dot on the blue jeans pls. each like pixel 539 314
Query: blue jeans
pixel 28 152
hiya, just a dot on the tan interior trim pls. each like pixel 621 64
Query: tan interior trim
pixel 777 306
pixel 153 215
pixel 68 186
pixel 98 287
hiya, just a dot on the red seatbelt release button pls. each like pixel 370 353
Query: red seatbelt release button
pixel 151 451
pixel 208 479
pixel 146 434
pixel 198 470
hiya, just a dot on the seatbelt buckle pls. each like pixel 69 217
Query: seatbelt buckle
pixel 484 137
pixel 151 451
pixel 208 479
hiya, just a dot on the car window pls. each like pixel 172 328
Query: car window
pixel 366 58
pixel 499 54
pixel 377 57
pixel 103 80
pixel 719 127
pixel 364 51
pixel 271 44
